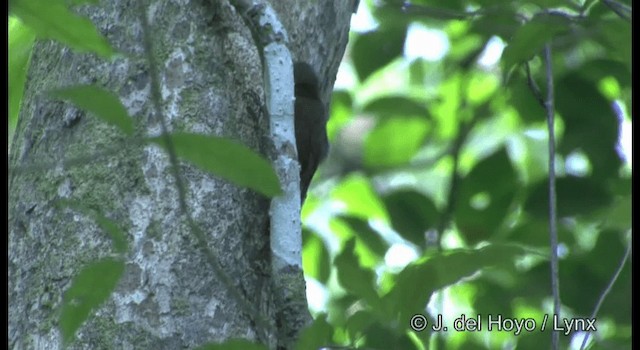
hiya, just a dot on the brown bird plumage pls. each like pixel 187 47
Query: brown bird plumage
pixel 310 124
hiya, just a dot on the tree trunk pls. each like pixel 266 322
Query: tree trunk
pixel 169 297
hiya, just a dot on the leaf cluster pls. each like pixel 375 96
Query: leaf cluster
pixel 435 200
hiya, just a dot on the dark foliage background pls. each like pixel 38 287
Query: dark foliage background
pixel 434 198
pixel 436 190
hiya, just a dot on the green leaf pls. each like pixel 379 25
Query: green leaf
pixel 81 2
pixel 397 106
pixel 529 39
pixel 598 69
pixel 575 196
pixel 590 124
pixel 534 232
pixel 485 196
pixel 235 344
pixel 53 20
pixel 499 20
pixel 618 215
pixel 359 196
pixel 581 296
pixel 358 324
pixel 102 103
pixel 341 112
pixel 433 12
pixel 372 244
pixel 491 295
pixel 383 147
pixel 440 4
pixel 21 40
pixel 316 336
pixel 225 158
pixel 551 3
pixel 383 336
pixel 374 50
pixel 353 277
pixel 615 35
pixel 117 236
pixel 418 281
pixel 89 289
pixel 412 214
pixel 316 261
pixel 522 99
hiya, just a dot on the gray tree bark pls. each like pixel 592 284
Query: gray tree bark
pixel 211 81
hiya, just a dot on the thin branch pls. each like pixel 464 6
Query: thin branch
pixel 447 214
pixel 623 11
pixel 456 149
pixel 548 104
pixel 211 256
pixel 454 181
pixel 553 229
pixel 606 291
pixel 534 86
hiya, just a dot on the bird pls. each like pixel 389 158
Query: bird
pixel 310 124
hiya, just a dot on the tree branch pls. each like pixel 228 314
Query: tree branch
pixel 623 11
pixel 607 290
pixel 553 229
pixel 534 86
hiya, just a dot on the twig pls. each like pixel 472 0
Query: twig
pixel 548 104
pixel 606 291
pixel 456 148
pixel 553 230
pixel 445 219
pixel 534 86
pixel 623 11
pixel 452 195
pixel 455 178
